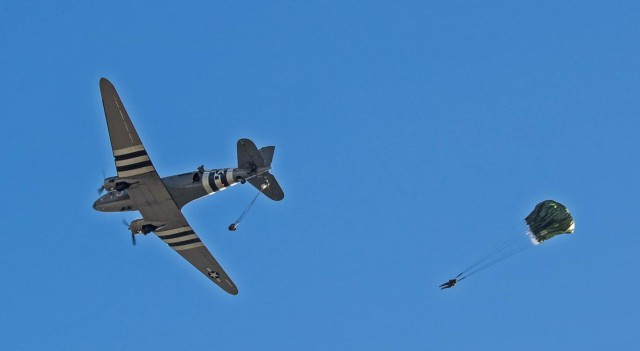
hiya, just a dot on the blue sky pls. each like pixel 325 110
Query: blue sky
pixel 409 138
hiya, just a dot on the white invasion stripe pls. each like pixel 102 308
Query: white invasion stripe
pixel 187 247
pixel 205 183
pixel 132 160
pixel 230 179
pixel 127 150
pixel 218 180
pixel 161 233
pixel 180 239
pixel 133 172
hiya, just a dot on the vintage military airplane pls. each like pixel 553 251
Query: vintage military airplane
pixel 138 187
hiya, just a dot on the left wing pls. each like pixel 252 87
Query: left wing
pixel 149 193
pixel 129 153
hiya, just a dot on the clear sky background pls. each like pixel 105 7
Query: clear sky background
pixel 409 138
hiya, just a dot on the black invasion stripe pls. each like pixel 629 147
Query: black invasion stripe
pixel 223 178
pixel 134 166
pixel 182 243
pixel 176 235
pixel 131 155
pixel 212 182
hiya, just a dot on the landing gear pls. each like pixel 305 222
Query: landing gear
pixel 120 186
pixel 241 180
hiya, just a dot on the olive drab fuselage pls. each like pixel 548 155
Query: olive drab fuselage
pixel 183 188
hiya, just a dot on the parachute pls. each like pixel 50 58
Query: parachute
pixel 549 219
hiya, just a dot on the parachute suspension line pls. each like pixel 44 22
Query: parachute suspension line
pixel 548 219
pixel 234 226
pixel 499 252
pixel 503 256
pixel 498 247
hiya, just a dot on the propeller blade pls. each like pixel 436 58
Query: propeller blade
pixel 133 235
pixel 101 188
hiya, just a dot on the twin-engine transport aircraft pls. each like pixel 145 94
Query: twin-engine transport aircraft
pixel 138 187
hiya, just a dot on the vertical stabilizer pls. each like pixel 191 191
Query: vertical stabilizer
pixel 257 163
pixel 267 154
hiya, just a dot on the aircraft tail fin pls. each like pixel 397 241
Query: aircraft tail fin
pixel 254 160
pixel 267 154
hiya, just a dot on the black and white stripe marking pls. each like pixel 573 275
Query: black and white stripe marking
pixel 182 238
pixel 218 180
pixel 132 161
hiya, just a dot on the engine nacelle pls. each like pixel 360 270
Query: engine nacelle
pixel 140 226
pixel 117 184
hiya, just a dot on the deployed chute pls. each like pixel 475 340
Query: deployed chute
pixel 549 219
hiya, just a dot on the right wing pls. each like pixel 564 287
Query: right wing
pixel 150 194
pixel 180 236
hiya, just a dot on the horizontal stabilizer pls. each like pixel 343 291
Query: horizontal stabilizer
pixel 254 160
pixel 268 185
pixel 248 155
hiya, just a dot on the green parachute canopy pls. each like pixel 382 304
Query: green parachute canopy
pixel 549 219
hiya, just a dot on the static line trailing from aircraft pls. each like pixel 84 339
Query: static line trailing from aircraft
pixel 138 187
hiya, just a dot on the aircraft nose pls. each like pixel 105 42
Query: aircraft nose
pixel 95 205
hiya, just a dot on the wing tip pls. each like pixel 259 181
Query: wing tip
pixel 105 83
pixel 231 289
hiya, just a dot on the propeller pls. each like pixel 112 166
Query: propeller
pixel 133 235
pixel 101 189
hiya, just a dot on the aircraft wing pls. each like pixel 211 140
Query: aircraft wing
pixel 150 194
pixel 129 153
pixel 156 206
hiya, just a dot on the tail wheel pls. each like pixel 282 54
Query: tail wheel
pixel 241 180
